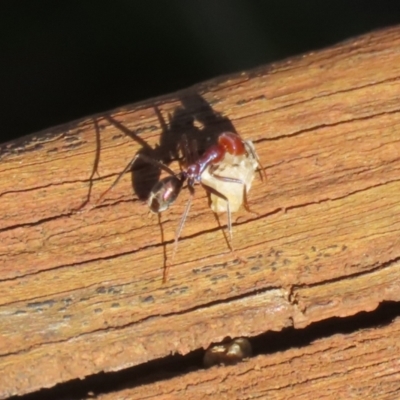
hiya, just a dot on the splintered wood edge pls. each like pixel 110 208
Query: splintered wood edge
pixel 81 286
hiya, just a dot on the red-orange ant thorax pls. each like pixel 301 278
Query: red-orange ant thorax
pixel 232 143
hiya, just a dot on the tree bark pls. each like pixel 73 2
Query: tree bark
pixel 81 281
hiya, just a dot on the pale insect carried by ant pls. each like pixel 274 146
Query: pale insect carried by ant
pixel 225 170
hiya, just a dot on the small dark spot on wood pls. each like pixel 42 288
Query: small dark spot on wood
pixel 71 138
pixel 18 312
pixel 147 299
pixel 245 101
pixel 114 290
pixel 313 248
pixel 178 290
pixel 115 305
pixel 217 278
pixel 344 247
pixel 98 310
pixel 36 147
pixel 286 261
pixel 116 137
pixel 72 145
pixel 53 150
pixel 101 290
pixel 40 304
pixel 67 316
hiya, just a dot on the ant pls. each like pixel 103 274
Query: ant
pixel 205 170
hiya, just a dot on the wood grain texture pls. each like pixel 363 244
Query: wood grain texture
pixel 80 282
pixel 361 365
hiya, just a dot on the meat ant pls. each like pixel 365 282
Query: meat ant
pixel 216 170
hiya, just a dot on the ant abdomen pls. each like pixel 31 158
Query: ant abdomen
pixel 164 193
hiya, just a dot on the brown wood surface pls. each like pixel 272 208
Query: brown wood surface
pixel 361 365
pixel 80 282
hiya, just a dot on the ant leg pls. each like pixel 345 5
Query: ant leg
pixel 246 204
pixel 253 153
pixel 162 241
pixel 129 166
pixel 178 233
pixel 189 150
pixel 234 180
pixel 230 244
pixel 223 197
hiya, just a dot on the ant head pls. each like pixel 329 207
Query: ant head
pixel 165 192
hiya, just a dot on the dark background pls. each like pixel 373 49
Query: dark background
pixel 62 60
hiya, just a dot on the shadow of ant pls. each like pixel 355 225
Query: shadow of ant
pixel 195 119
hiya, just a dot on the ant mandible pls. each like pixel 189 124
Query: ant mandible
pixel 207 166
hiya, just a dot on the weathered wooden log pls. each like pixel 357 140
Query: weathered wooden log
pixel 81 282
